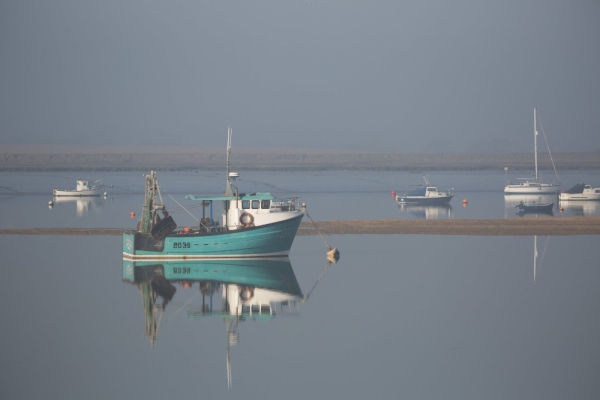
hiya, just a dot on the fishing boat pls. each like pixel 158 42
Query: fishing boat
pixel 83 188
pixel 535 208
pixel 535 185
pixel 425 195
pixel 252 225
pixel 580 192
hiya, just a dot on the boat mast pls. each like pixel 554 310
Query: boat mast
pixel 535 133
pixel 228 189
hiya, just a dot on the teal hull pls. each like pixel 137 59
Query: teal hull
pixel 272 274
pixel 271 240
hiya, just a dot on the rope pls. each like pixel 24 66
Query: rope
pixel 326 244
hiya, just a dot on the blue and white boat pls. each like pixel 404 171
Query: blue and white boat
pixel 252 225
pixel 425 195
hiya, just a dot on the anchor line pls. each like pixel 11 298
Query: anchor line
pixel 317 229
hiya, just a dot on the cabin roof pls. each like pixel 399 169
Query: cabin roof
pixel 577 188
pixel 242 196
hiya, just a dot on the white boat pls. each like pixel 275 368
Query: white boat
pixel 84 188
pixel 533 186
pixel 580 192
pixel 425 195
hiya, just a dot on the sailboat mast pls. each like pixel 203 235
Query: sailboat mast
pixel 535 133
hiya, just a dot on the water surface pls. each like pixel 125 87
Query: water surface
pixel 399 316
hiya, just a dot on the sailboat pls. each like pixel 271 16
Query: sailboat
pixel 534 186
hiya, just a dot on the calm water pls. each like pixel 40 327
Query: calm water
pixel 399 316
pixel 328 195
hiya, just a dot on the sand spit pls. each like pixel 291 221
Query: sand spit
pixel 527 226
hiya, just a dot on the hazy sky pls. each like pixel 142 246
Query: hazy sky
pixel 402 76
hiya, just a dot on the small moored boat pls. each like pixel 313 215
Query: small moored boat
pixel 425 195
pixel 535 208
pixel 84 188
pixel 580 192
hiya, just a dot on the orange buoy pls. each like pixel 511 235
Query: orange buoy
pixel 465 201
pixel 393 193
pixel 132 214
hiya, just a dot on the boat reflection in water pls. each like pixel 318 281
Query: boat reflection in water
pixel 580 208
pixel 84 205
pixel 235 290
pixel 512 202
pixel 440 211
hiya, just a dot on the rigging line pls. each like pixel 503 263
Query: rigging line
pixel 179 209
pixel 172 198
pixel 548 147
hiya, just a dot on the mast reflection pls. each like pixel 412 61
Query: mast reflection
pixel 536 255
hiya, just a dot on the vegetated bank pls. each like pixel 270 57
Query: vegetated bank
pixel 291 160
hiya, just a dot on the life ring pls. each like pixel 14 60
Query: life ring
pixel 246 219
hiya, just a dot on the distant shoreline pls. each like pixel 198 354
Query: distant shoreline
pixel 127 158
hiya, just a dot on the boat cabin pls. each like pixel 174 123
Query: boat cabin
pixel 245 210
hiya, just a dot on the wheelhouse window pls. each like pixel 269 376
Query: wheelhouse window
pixel 255 204
pixel 245 204
pixel 265 204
